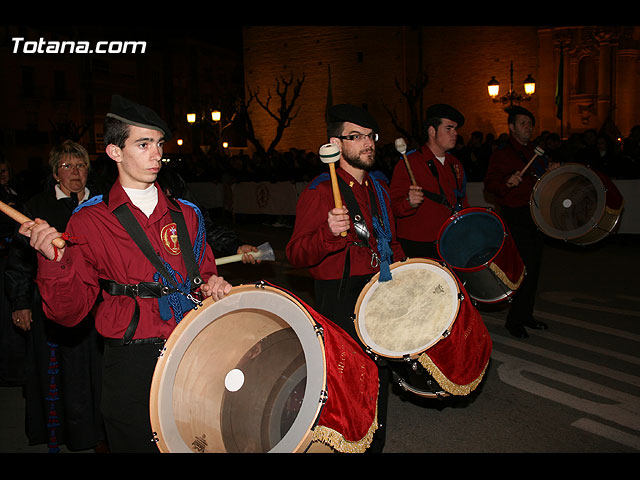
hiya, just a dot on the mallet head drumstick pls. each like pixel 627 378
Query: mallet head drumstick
pixel 330 154
pixel 401 147
pixel 20 218
pixel 538 152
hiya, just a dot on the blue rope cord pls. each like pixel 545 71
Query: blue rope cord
pixel 177 304
pixel 383 234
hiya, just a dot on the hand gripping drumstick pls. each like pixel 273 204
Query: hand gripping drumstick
pixel 330 153
pixel 538 153
pixel 265 252
pixel 401 147
pixel 20 218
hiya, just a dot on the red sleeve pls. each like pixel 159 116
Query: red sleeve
pixel 69 288
pixel 399 191
pixel 312 239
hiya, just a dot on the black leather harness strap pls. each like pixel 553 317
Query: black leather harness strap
pixel 151 289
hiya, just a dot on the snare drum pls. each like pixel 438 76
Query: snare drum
pixel 575 203
pixel 256 372
pixel 477 245
pixel 423 323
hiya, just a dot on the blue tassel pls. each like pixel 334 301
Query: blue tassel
pixel 383 234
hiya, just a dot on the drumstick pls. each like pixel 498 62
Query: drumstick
pixel 401 147
pixel 538 153
pixel 20 218
pixel 330 153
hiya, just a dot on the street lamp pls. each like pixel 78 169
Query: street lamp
pixel 511 97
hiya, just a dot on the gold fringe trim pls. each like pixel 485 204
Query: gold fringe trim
pixel 444 382
pixel 335 440
pixel 503 277
pixel 614 211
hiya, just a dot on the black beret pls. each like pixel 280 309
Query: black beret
pixel 442 110
pixel 133 114
pixel 518 110
pixel 352 114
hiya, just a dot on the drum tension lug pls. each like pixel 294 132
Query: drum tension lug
pixel 319 330
pixel 324 396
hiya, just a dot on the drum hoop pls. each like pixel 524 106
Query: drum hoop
pixel 456 217
pixel 587 227
pixel 300 434
pixel 370 287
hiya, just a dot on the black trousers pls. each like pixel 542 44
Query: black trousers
pixel 127 375
pixel 338 306
pixel 530 244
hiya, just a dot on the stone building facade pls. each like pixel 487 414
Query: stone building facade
pixel 375 65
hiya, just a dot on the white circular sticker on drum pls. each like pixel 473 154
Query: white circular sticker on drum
pixel 566 203
pixel 234 380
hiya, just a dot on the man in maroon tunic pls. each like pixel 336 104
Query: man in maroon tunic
pixel 142 307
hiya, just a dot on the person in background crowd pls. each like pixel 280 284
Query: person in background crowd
pixel 62 387
pixel 512 192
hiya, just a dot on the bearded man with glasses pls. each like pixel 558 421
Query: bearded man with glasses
pixel 341 247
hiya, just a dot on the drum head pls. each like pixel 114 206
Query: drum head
pixel 471 239
pixel 568 202
pixel 244 374
pixel 410 313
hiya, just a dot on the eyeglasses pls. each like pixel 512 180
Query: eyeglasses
pixel 69 166
pixel 358 137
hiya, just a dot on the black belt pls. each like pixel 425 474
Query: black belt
pixel 119 342
pixel 142 289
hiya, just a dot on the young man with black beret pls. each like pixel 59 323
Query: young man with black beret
pixel 144 295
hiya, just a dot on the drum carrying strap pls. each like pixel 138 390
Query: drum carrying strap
pixel 362 232
pixel 441 198
pixel 131 225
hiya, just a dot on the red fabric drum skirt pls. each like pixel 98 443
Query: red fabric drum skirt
pixel 260 371
pixel 477 245
pixel 576 203
pixel 423 318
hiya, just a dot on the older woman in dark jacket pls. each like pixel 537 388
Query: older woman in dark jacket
pixel 62 386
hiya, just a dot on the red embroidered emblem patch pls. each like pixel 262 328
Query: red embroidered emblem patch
pixel 169 236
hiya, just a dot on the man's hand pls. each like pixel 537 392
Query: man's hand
pixel 216 287
pixel 246 250
pixel 514 180
pixel 338 220
pixel 41 234
pixel 416 196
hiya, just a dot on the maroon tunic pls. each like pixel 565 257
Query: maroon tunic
pixel 101 248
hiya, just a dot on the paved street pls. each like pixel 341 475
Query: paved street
pixel 574 388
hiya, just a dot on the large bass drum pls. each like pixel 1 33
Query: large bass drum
pixel 576 203
pixel 249 374
pixel 423 323
pixel 477 245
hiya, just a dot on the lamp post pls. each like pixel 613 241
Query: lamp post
pixel 511 97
